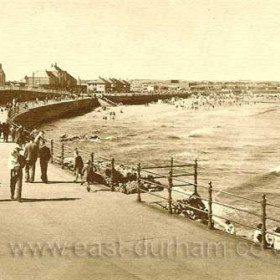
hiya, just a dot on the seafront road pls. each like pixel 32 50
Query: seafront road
pixel 60 231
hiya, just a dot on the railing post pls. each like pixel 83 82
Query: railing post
pixel 210 210
pixel 195 176
pixel 92 157
pixel 112 174
pixel 62 155
pixel 51 151
pixel 170 184
pixel 264 243
pixel 139 182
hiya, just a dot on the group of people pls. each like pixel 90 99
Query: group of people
pixel 14 134
pixel 87 172
pixel 25 157
pixel 5 130
pixel 272 237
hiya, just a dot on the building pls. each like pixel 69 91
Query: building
pixel 42 79
pixel 111 85
pixel 2 76
pixel 117 85
pixel 100 85
pixel 54 78
pixel 64 79
pixel 126 86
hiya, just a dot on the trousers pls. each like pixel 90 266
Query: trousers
pixel 16 184
pixel 30 166
pixel 44 169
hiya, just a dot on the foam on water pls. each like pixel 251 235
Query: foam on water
pixel 201 132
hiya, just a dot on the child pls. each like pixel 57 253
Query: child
pixel 88 173
pixel 229 227
pixel 78 165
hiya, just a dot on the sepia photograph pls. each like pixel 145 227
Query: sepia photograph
pixel 139 139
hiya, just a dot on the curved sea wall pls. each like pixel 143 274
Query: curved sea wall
pixel 35 116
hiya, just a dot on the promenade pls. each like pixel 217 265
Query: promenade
pixel 106 235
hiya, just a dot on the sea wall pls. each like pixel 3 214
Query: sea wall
pixel 142 99
pixel 35 116
pixel 48 112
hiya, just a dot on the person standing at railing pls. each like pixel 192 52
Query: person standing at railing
pixel 31 155
pixel 45 156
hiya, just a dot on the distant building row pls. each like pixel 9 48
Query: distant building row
pixel 54 78
pixel 111 85
pixel 57 79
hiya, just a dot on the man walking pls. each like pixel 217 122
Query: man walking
pixel 31 155
pixel 45 155
pixel 16 163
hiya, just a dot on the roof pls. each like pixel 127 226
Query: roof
pixel 51 74
pixel 41 74
pixel 126 82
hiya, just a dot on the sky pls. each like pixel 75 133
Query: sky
pixel 142 39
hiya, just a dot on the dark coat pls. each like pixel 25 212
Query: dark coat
pixel 45 153
pixel 31 152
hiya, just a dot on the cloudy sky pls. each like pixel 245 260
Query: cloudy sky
pixel 160 39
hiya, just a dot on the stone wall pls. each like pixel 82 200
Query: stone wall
pixel 45 113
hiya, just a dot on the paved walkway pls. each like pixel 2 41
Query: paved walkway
pixel 103 236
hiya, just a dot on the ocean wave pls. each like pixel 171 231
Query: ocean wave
pixel 266 111
pixel 275 170
pixel 173 137
pixel 201 132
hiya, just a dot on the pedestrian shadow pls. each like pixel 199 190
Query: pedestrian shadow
pixel 61 182
pixel 48 199
pixel 53 182
pixel 5 200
